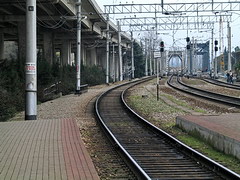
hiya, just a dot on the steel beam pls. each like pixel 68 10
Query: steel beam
pixel 161 27
pixel 174 19
pixel 173 8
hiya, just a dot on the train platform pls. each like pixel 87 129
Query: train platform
pixel 222 131
pixel 52 147
pixel 44 149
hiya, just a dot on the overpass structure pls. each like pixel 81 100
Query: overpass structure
pixel 56 30
pixel 57 35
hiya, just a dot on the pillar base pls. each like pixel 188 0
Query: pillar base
pixel 30 117
pixel 78 92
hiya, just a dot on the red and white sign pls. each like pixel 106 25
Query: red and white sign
pixel 30 68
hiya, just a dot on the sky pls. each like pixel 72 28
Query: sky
pixel 168 38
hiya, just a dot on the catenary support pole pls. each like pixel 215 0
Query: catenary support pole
pixel 120 52
pixel 113 61
pixel 132 55
pixel 215 65
pixel 191 56
pixel 146 57
pixel 78 63
pixel 229 48
pixel 158 77
pixel 31 61
pixel 212 50
pixel 150 57
pixel 107 51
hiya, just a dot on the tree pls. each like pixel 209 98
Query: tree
pixel 138 61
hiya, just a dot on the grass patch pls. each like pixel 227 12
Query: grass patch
pixel 193 81
pixel 184 104
pixel 228 160
pixel 150 105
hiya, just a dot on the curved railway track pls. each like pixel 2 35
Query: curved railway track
pixel 175 83
pixel 221 83
pixel 149 151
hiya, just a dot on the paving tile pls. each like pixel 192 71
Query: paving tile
pixel 50 149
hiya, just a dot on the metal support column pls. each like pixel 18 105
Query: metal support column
pixel 79 18
pixel 150 57
pixel 161 64
pixel 212 50
pixel 229 48
pixel 132 51
pixel 191 56
pixel 113 61
pixel 154 60
pixel 188 60
pixel 107 51
pixel 31 61
pixel 158 77
pixel 120 52
pixel 191 60
pixel 215 65
pixel 146 62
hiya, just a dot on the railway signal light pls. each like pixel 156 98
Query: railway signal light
pixel 188 42
pixel 216 43
pixel 161 46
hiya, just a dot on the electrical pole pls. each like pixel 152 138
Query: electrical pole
pixel 158 78
pixel 120 51
pixel 146 54
pixel 191 56
pixel 79 19
pixel 150 56
pixel 194 62
pixel 220 35
pixel 31 61
pixel 132 51
pixel 188 54
pixel 113 59
pixel 107 51
pixel 154 41
pixel 212 63
pixel 215 60
pixel 161 58
pixel 229 48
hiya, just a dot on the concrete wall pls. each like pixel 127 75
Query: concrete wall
pixel 101 60
pixel 219 141
pixel 91 55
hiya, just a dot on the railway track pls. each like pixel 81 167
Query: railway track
pixel 222 84
pixel 150 152
pixel 175 83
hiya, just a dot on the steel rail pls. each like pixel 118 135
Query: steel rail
pixel 140 173
pixel 154 153
pixel 221 83
pixel 220 98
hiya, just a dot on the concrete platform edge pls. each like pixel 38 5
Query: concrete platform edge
pixel 219 141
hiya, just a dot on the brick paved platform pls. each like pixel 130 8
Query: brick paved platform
pixel 222 131
pixel 48 149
